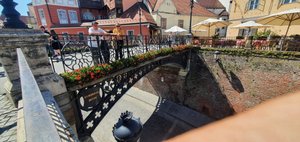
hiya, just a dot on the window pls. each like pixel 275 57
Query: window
pixel 88 16
pixel 130 34
pixel 62 16
pixel 180 23
pixel 119 11
pixel 163 23
pixel 37 1
pixel 58 1
pixel 81 36
pixel 118 2
pixel 253 4
pixel 42 17
pixel 65 36
pixel 287 1
pixel 71 2
pixel 73 17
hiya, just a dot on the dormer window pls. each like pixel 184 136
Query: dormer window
pixel 253 4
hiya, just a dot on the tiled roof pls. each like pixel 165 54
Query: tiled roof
pixel 224 13
pixel 157 5
pixel 214 4
pixel 122 21
pixel 183 7
pixel 133 13
pixel 128 3
pixel 152 3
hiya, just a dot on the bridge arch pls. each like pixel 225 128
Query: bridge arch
pixel 98 97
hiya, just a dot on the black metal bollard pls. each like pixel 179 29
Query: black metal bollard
pixel 12 16
pixel 128 128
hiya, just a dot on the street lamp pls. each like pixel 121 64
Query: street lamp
pixel 12 19
pixel 128 128
pixel 191 15
pixel 140 16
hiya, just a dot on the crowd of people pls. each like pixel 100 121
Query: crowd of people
pixel 98 45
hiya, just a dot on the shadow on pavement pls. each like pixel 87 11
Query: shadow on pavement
pixel 167 122
pixel 7 128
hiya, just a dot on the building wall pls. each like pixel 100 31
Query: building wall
pixel 56 2
pixel 168 10
pixel 54 15
pixel 32 17
pixel 84 30
pixel 134 28
pixel 238 13
pixel 96 13
pixel 172 20
pixel 71 30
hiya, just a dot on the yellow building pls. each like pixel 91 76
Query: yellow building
pixel 246 10
pixel 168 13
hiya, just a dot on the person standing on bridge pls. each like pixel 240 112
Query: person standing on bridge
pixel 99 47
pixel 119 32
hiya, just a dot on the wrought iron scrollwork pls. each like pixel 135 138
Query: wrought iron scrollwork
pixel 76 52
pixel 100 98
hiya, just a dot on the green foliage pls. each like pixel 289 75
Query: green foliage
pixel 257 53
pixel 262 34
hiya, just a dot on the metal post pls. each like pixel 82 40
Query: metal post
pixel 140 17
pixel 191 15
pixel 12 19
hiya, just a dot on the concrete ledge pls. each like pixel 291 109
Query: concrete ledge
pixel 21 136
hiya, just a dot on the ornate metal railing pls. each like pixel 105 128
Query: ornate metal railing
pixel 78 51
pixel 42 117
pixel 96 98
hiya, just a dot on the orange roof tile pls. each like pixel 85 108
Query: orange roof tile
pixel 128 3
pixel 133 13
pixel 183 7
pixel 211 4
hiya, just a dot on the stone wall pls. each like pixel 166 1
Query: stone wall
pixel 248 81
pixel 231 85
pixel 33 44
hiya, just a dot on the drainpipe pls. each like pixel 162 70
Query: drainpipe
pixel 48 9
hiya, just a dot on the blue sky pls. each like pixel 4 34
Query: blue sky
pixel 21 7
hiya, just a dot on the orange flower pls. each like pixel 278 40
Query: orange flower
pixel 78 77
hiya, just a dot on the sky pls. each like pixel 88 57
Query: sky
pixel 21 7
pixel 225 3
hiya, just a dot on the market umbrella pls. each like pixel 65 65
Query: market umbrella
pixel 250 25
pixel 210 23
pixel 284 18
pixel 175 29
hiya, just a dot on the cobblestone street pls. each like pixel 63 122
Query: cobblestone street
pixel 8 115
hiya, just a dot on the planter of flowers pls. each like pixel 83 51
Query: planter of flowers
pixel 88 74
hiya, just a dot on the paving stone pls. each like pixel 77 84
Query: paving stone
pixel 8 120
